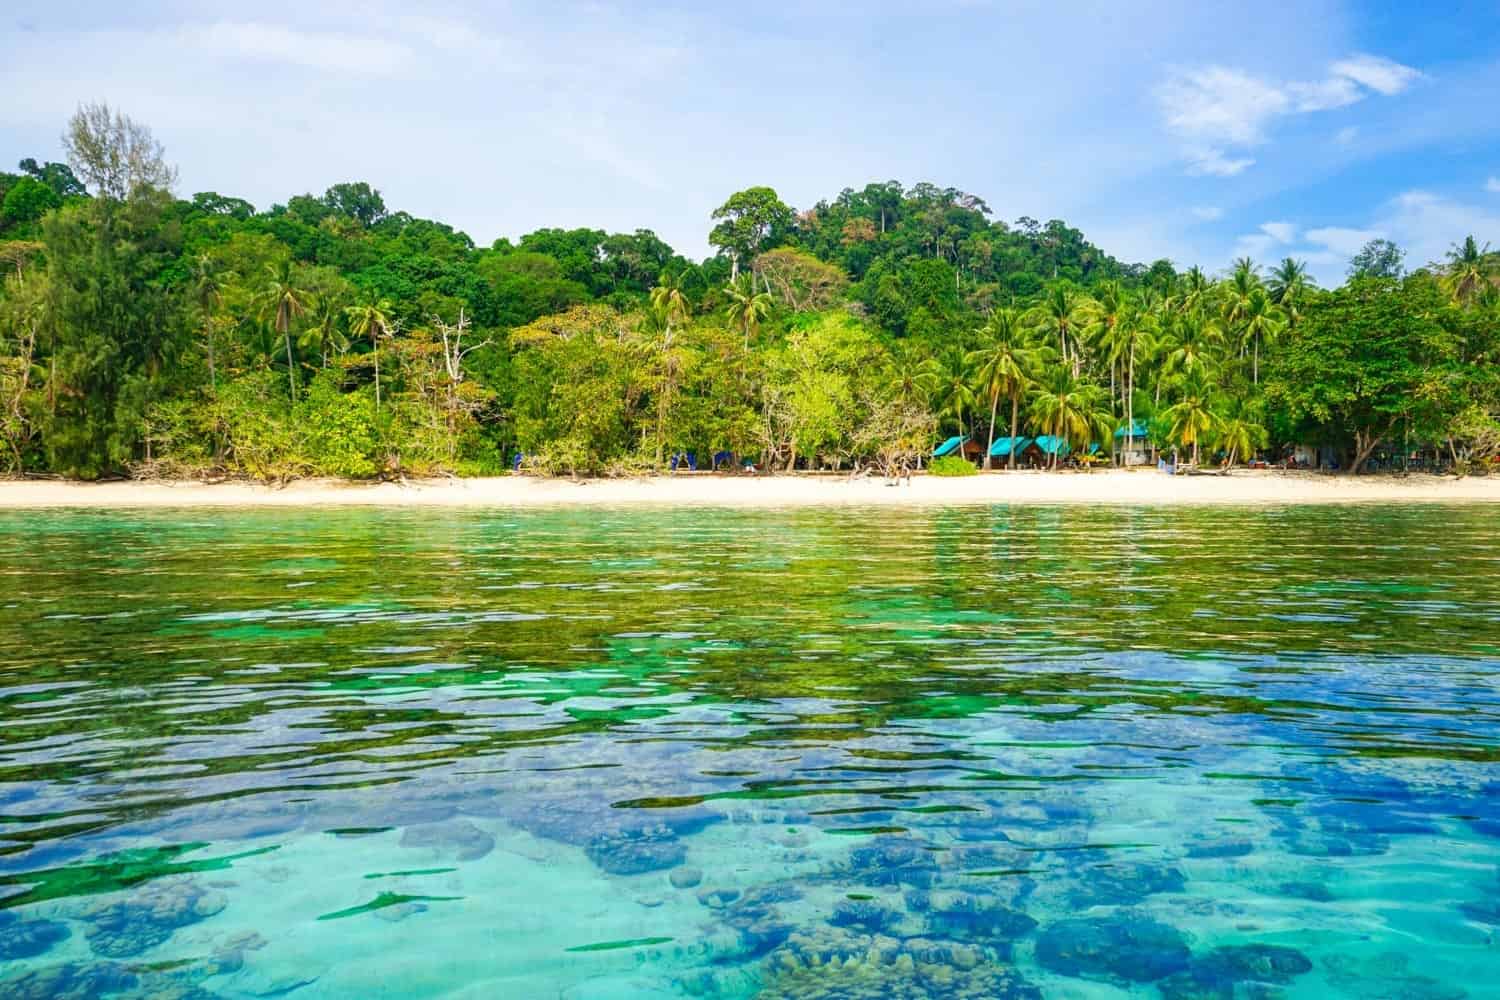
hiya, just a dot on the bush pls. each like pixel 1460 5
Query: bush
pixel 952 465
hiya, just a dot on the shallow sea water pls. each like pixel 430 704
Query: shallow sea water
pixel 1014 753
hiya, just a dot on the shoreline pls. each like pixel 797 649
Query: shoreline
pixel 1111 487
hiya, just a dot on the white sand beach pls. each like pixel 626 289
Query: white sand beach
pixel 1099 487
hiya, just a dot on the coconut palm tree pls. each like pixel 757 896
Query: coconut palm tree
pixel 323 333
pixel 955 389
pixel 1288 284
pixel 669 305
pixel 1102 325
pixel 1004 368
pixel 1261 322
pixel 1193 291
pixel 1071 409
pixel 371 318
pixel 747 307
pixel 1470 269
pixel 1240 431
pixel 1135 337
pixel 1060 314
pixel 1191 417
pixel 1192 344
pixel 913 377
pixel 282 301
pixel 208 289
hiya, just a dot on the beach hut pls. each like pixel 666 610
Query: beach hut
pixel 1040 451
pixel 1001 450
pixel 1138 438
pixel 949 447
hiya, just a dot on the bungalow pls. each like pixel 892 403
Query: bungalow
pixel 959 446
pixel 1133 444
pixel 1001 450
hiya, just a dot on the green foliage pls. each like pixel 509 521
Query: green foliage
pixel 952 465
pixel 332 336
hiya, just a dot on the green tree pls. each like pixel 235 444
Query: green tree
pixel 1191 418
pixel 1364 360
pixel 1003 365
pixel 1378 258
pixel 1072 409
pixel 748 223
pixel 283 300
pixel 747 308
pixel 1470 269
pixel 371 318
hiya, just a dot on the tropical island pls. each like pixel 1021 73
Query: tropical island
pixel 149 336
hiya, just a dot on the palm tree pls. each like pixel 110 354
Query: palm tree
pixel 1102 325
pixel 1243 282
pixel 1003 367
pixel 1469 269
pixel 747 307
pixel 323 333
pixel 914 377
pixel 1192 344
pixel 1262 321
pixel 208 288
pixel 1193 292
pixel 1060 313
pixel 668 305
pixel 1192 416
pixel 371 318
pixel 1134 337
pixel 284 300
pixel 1071 409
pixel 955 388
pixel 1240 432
pixel 1288 285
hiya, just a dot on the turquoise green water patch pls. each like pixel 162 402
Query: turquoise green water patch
pixel 1005 753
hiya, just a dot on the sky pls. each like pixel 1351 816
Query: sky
pixel 1193 131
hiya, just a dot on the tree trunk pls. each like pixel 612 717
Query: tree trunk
pixel 1130 408
pixel 994 405
pixel 291 364
pixel 1255 365
pixel 1015 407
pixel 375 341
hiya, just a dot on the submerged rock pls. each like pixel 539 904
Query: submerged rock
pixel 968 917
pixel 635 852
pixel 73 981
pixel 894 861
pixel 834 964
pixel 1386 975
pixel 685 878
pixel 148 918
pixel 717 899
pixel 456 840
pixel 22 938
pixel 1220 974
pixel 1123 946
pixel 1124 884
pixel 864 915
pixel 1315 892
pixel 1220 849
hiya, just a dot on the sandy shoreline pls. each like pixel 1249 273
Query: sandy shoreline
pixel 1103 487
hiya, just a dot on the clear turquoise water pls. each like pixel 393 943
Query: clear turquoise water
pixel 817 754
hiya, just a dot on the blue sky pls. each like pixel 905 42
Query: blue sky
pixel 1161 128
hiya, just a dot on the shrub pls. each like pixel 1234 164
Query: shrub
pixel 952 465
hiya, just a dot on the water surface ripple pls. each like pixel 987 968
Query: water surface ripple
pixel 1193 754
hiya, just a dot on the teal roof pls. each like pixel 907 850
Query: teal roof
pixel 949 446
pixel 1053 445
pixel 1002 446
pixel 1137 430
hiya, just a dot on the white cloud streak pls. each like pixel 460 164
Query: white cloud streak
pixel 1220 111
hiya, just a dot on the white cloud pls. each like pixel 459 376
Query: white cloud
pixel 1220 105
pixel 1220 110
pixel 1205 160
pixel 1281 232
pixel 1346 135
pixel 1342 240
pixel 1379 74
pixel 1325 95
pixel 336 53
pixel 1208 213
pixel 1492 185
